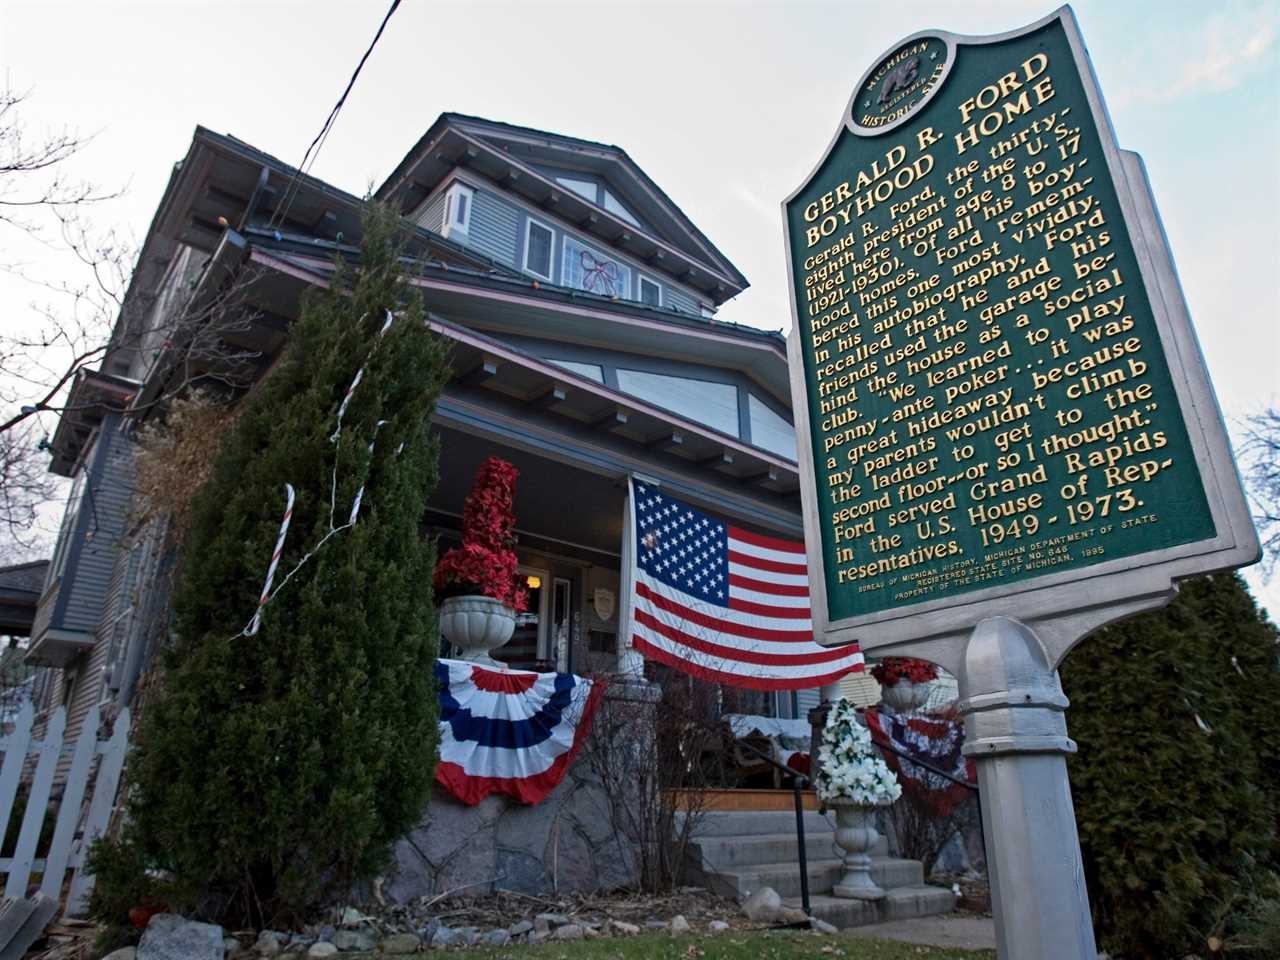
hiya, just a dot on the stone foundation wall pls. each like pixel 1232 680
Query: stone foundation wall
pixel 565 843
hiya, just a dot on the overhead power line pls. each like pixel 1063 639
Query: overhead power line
pixel 313 150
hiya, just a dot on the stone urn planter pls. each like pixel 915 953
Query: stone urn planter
pixel 905 696
pixel 856 834
pixel 476 626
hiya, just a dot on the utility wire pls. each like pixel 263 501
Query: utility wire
pixel 291 192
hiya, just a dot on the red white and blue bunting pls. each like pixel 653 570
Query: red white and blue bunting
pixel 936 740
pixel 510 732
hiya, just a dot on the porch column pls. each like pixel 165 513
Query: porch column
pixel 630 662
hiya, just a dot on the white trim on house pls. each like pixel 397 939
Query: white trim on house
pixel 641 280
pixel 459 199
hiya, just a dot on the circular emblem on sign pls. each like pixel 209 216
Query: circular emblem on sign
pixel 900 84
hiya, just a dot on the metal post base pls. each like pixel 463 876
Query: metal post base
pixel 1016 731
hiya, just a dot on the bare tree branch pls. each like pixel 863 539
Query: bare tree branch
pixel 1261 455
pixel 174 339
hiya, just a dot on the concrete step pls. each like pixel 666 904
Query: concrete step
pixel 901 903
pixel 741 882
pixel 719 853
pixel 746 823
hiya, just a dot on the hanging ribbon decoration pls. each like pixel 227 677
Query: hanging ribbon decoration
pixel 355 506
pixel 275 561
pixel 603 272
pixel 267 594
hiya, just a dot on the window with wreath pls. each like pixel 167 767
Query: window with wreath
pixel 587 269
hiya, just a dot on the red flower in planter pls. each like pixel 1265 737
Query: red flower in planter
pixel 485 563
pixel 891 670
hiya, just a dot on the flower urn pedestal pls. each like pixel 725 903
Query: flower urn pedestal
pixel 856 834
pixel 476 626
pixel 905 696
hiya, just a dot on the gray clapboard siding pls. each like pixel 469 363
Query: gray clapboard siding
pixel 86 580
pixel 493 227
pixel 431 215
pixel 680 301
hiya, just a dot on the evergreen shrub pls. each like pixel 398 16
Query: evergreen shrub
pixel 1177 781
pixel 273 770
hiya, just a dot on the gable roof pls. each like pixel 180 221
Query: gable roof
pixel 515 157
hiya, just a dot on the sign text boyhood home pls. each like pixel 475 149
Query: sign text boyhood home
pixel 1007 436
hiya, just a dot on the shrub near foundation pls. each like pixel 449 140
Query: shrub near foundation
pixel 274 769
pixel 1177 781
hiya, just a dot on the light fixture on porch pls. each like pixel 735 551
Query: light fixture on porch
pixel 533 582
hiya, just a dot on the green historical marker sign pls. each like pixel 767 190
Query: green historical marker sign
pixel 994 383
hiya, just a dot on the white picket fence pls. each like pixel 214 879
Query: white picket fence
pixel 66 850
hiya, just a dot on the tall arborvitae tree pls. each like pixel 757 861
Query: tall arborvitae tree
pixel 1177 780
pixel 275 768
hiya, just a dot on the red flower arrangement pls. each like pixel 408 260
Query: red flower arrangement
pixel 485 563
pixel 891 670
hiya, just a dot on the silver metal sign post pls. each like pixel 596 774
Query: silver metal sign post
pixel 1016 731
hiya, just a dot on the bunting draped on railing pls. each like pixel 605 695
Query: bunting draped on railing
pixel 935 740
pixel 511 732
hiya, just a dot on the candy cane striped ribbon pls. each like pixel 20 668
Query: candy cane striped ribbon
pixel 275 561
pixel 355 505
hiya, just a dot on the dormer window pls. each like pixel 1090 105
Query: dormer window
pixel 538 246
pixel 650 292
pixel 585 268
pixel 457 209
pixel 614 206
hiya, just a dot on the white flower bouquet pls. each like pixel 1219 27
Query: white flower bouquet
pixel 850 767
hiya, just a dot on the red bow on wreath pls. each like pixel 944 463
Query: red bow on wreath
pixel 603 272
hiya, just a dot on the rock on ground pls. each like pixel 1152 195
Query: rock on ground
pixel 621 926
pixel 570 931
pixel 322 948
pixel 171 937
pixel 516 929
pixel 763 906
pixel 400 943
pixel 821 926
pixel 362 939
pixel 124 953
pixel 679 925
pixel 717 926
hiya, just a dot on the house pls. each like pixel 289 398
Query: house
pixel 580 306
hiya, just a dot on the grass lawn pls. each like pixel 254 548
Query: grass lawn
pixel 752 945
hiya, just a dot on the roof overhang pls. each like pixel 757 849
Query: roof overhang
pixel 57 648
pixel 519 306
pixel 93 395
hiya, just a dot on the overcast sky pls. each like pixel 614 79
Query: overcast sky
pixel 726 105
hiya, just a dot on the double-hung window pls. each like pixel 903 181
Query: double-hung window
pixel 650 291
pixel 538 248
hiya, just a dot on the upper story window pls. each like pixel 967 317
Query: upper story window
pixel 592 371
pixel 770 431
pixel 457 209
pixel 583 188
pixel 614 206
pixel 650 291
pixel 587 269
pixel 538 247
pixel 703 401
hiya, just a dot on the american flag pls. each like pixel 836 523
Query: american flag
pixel 724 604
